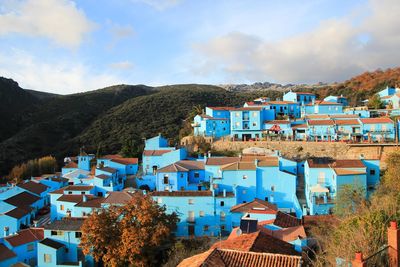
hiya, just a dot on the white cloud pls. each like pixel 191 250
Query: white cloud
pixel 160 4
pixel 58 20
pixel 122 65
pixel 62 76
pixel 334 51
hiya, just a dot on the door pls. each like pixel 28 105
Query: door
pixel 191 230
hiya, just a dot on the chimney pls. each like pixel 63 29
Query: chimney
pixel 224 193
pixel 6 231
pixel 393 243
pixel 35 223
pixel 256 162
pixel 358 260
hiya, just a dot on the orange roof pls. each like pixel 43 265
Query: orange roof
pixel 126 161
pixel 182 193
pixel 232 258
pixel 317 116
pixel 299 126
pixel 285 234
pixel 324 103
pixel 255 206
pixel 183 166
pixel 71 165
pixel 347 122
pixel 376 120
pixel 280 102
pixel 285 220
pixel 248 108
pixel 338 163
pixel 342 116
pixel 36 188
pixel 25 236
pixel 321 122
pixel 277 122
pixel 221 160
pixel 239 166
pixel 222 108
pixel 6 253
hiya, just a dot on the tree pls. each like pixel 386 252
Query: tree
pixel 350 198
pixel 137 234
pixel 375 102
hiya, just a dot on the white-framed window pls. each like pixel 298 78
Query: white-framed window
pixel 372 128
pixel 237 114
pixel 190 201
pixel 166 181
pixel 254 123
pixel 244 192
pixel 159 200
pixel 237 124
pixel 47 258
pixel 254 114
pixel 201 213
pixel 61 207
pixel 222 216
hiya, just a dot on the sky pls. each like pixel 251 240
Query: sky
pixel 65 46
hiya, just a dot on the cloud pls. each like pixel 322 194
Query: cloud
pixel 118 32
pixel 336 50
pixel 160 4
pixel 58 20
pixel 62 76
pixel 122 65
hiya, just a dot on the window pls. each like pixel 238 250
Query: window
pixel 190 201
pixel 166 179
pixel 47 258
pixel 321 178
pixel 222 216
pixel 159 200
pixel 78 234
pixel 196 175
pixel 222 227
pixel 237 114
pixel 82 193
pixel 181 175
pixel 372 129
pixel 191 216
pixel 273 188
pixel 83 214
pixel 237 124
pixel 61 207
pixel 383 127
pixel 254 123
pixel 244 176
pixel 205 228
pixel 60 233
pixel 201 213
pixel 244 192
pixel 222 203
pixel 30 247
pixel 372 172
pixel 69 192
pixel 254 114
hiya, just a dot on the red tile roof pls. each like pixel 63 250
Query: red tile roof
pixel 108 169
pixel 255 206
pixel 155 152
pixel 183 166
pixel 52 243
pixel 286 234
pixel 239 166
pixel 18 213
pixel 22 200
pixel 91 202
pixel 71 165
pixel 347 122
pixel 338 163
pixel 255 242
pixel 321 122
pixel 340 171
pixel 126 161
pixel 75 198
pixel 25 236
pixel 221 160
pixel 248 109
pixel 232 258
pixel 299 126
pixel 324 103
pixel 376 120
pixel 280 102
pixel 36 188
pixel 78 188
pixel 6 253
pixel 118 197
pixel 285 220
pixel 182 193
pixel 277 122
pixel 222 108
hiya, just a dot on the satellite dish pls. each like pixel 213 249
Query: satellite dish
pixel 238 232
pixel 67 160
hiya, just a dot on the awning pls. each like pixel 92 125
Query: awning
pixel 275 128
pixel 319 189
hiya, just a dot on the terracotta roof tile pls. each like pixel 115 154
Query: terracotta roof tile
pixel 347 122
pixel 191 164
pixel 248 109
pixel 316 116
pixel 324 103
pixel 286 234
pixel 204 116
pixel 103 176
pixel 299 126
pixel 33 187
pixel 173 168
pixel 78 188
pixel 18 213
pixel 376 120
pixel 321 122
pixel 91 202
pixel 6 253
pixel 277 122
pixel 22 200
pixel 222 108
pixel 239 166
pixel 118 197
pixel 338 163
pixel 255 206
pixel 182 193
pixel 280 102
pixel 285 220
pixel 66 224
pixel 108 169
pixel 344 116
pixel 25 236
pixel 221 160
pixel 148 153
pixel 71 165
pixel 340 171
pixel 232 258
pixel 126 161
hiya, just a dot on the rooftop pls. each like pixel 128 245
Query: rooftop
pixel 52 243
pixel 118 197
pixel 337 163
pixel 285 220
pixel 376 120
pixel 321 122
pixel 340 171
pixel 22 200
pixel 155 152
pixel 239 166
pixel 182 193
pixel 126 161
pixel 36 188
pixel 18 212
pixel 6 253
pixel 221 160
pixel 25 236
pixel 66 224
pixel 108 169
pixel 255 206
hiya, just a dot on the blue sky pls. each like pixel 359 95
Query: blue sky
pixel 65 46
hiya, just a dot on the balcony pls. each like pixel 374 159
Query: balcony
pixel 196 124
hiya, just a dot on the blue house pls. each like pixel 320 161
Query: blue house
pixel 124 166
pixel 247 123
pixel 378 129
pixel 321 130
pixel 337 99
pixel 299 97
pixel 388 91
pixel 24 244
pixel 348 129
pixel 157 154
pixel 321 107
pixel 205 125
pixel 60 246
pixel 7 256
pixel 324 178
pixel 281 127
pixel 181 175
pixel 70 166
pixel 272 109
pixel 86 161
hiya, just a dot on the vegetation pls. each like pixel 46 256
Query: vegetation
pixel 375 102
pixel 363 227
pixel 136 234
pixel 35 167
